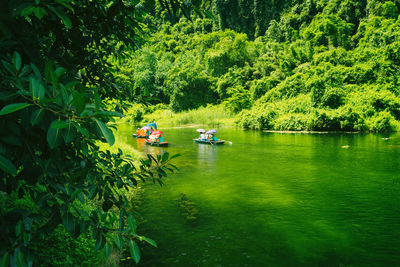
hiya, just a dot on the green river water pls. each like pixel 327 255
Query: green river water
pixel 275 199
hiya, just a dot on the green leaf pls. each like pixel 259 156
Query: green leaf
pixel 165 157
pixel 21 262
pixel 36 71
pixel 107 250
pixel 27 11
pixel 37 88
pixel 59 124
pixel 111 113
pixel 13 107
pixel 107 133
pixel 97 100
pixel 49 71
pixel 39 12
pixel 134 250
pixel 65 19
pixel 149 240
pixel 119 241
pixel 52 137
pixel 174 156
pixel 82 130
pixel 69 133
pixel 63 2
pixel 7 166
pixel 36 116
pixel 121 219
pixel 81 197
pixel 9 67
pixel 4 260
pixel 100 242
pixel 132 222
pixel 19 228
pixel 60 71
pixel 92 192
pixel 41 91
pixel 79 101
pixel 68 222
pixel 17 61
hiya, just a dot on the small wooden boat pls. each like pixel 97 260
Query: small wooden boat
pixel 140 136
pixel 156 143
pixel 218 142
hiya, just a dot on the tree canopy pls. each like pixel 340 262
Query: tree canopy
pixel 319 65
pixel 54 74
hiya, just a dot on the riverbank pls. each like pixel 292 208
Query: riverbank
pixel 210 115
pixel 280 119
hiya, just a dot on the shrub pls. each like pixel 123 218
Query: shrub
pixel 262 118
pixel 292 122
pixel 60 249
pixel 260 87
pixel 381 122
pixel 332 98
pixel 323 120
pixel 239 99
pixel 351 120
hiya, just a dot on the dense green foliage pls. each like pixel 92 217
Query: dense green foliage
pixel 320 65
pixel 53 77
pixel 292 65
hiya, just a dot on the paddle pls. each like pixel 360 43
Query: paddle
pixel 210 142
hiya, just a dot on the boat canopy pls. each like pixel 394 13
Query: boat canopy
pixel 152 125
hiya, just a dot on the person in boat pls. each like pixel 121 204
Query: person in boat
pixel 138 132
pixel 156 138
pixel 145 131
pixel 202 136
pixel 212 137
pixel 152 138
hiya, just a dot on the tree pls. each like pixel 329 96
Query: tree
pixel 53 75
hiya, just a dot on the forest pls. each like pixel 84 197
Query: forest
pixel 319 65
pixel 71 68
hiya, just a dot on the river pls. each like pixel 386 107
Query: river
pixel 275 199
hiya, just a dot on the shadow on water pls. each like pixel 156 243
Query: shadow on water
pixel 274 199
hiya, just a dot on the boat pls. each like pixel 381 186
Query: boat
pixel 140 136
pixel 218 142
pixel 156 143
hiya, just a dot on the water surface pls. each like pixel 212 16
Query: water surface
pixel 275 199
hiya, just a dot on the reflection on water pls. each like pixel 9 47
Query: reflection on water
pixel 277 199
pixel 207 154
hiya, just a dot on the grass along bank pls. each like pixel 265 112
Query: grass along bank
pixel 210 115
pixel 368 112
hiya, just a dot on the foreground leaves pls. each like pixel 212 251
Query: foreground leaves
pixel 134 250
pixel 12 108
pixel 49 156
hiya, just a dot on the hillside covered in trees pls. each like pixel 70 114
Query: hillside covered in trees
pixel 283 65
pixel 69 67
